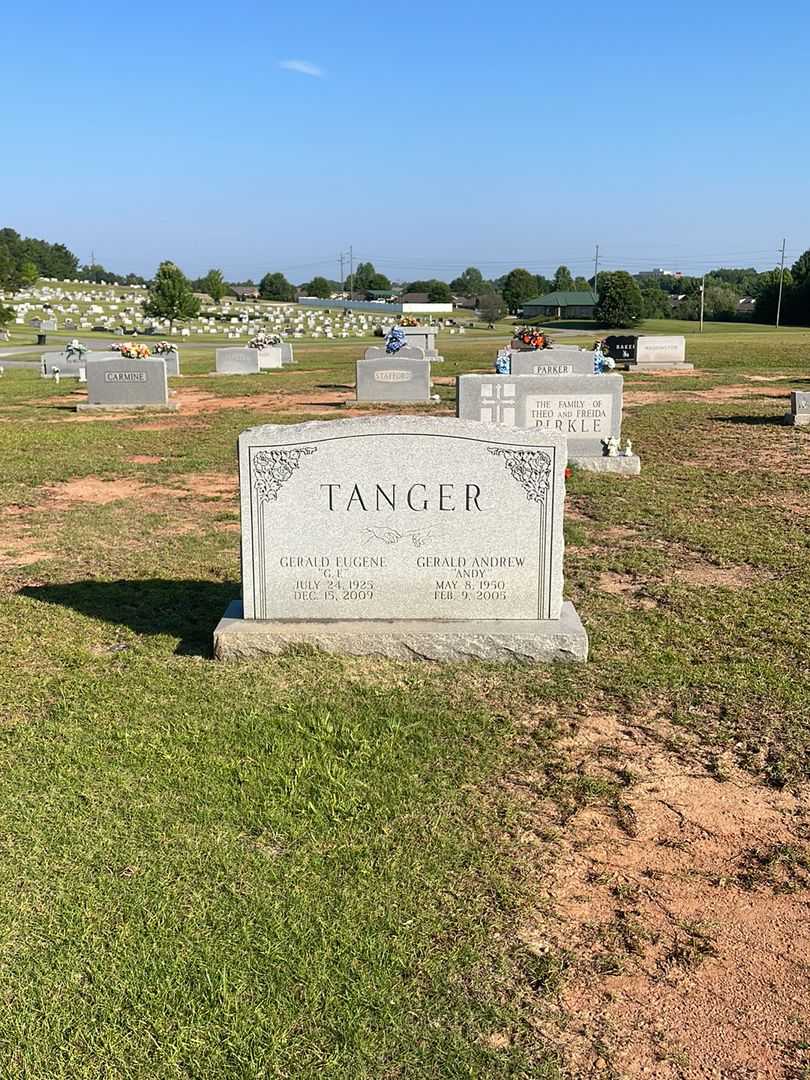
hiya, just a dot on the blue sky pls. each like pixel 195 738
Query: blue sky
pixel 258 136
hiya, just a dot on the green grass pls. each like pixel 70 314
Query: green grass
pixel 299 867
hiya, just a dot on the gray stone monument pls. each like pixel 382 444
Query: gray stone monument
pixel 585 410
pixel 71 367
pixel 799 415
pixel 404 536
pixel 286 353
pixel 658 352
pixel 172 359
pixel 122 384
pixel 270 358
pixel 237 361
pixel 421 337
pixel 401 376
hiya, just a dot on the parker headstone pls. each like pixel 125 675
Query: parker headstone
pixel 555 361
pixel 237 361
pixel 799 415
pixel 410 537
pixel 402 376
pixel 120 383
pixel 585 410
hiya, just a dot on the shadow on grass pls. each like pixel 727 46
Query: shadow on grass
pixel 188 610
pixel 776 421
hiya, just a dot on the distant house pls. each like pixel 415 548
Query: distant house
pixel 470 303
pixel 746 307
pixel 245 292
pixel 415 298
pixel 563 304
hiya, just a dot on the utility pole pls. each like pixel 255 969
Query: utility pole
pixel 342 279
pixel 781 279
pixel 351 273
pixel 596 271
pixel 702 299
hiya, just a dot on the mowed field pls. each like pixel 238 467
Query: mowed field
pixel 351 868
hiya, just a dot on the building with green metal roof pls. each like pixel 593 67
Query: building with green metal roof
pixel 563 304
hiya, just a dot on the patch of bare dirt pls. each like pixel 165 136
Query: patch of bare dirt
pixel 197 402
pixel 211 485
pixel 724 577
pixel 92 489
pixel 144 459
pixel 634 397
pixel 625 586
pixel 677 960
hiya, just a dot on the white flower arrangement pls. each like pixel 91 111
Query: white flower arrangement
pixel 264 341
pixel 162 348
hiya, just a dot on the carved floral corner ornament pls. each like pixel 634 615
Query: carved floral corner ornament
pixel 531 469
pixel 273 468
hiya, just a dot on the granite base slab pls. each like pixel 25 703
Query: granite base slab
pixel 651 366
pixel 797 419
pixel 88 407
pixel 623 465
pixel 562 640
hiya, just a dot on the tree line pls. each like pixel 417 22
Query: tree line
pixel 622 297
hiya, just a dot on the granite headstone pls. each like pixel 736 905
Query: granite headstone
pixel 120 383
pixel 412 537
pixel 585 410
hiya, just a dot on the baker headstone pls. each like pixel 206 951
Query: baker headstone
pixel 120 383
pixel 422 337
pixel 409 537
pixel 585 410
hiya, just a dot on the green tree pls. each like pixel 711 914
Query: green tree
pixel 6 315
pixel 581 284
pixel 492 306
pixel 320 287
pixel 543 285
pixel 800 270
pixel 28 272
pixel 563 282
pixel 276 287
pixel 518 287
pixel 366 279
pixel 171 296
pixel 439 292
pixel 214 284
pixel 619 299
pixel 470 283
pixel 655 303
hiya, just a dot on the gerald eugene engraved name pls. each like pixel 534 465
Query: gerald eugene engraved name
pixel 125 376
pixel 416 497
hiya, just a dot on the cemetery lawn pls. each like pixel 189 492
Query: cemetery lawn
pixel 359 869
